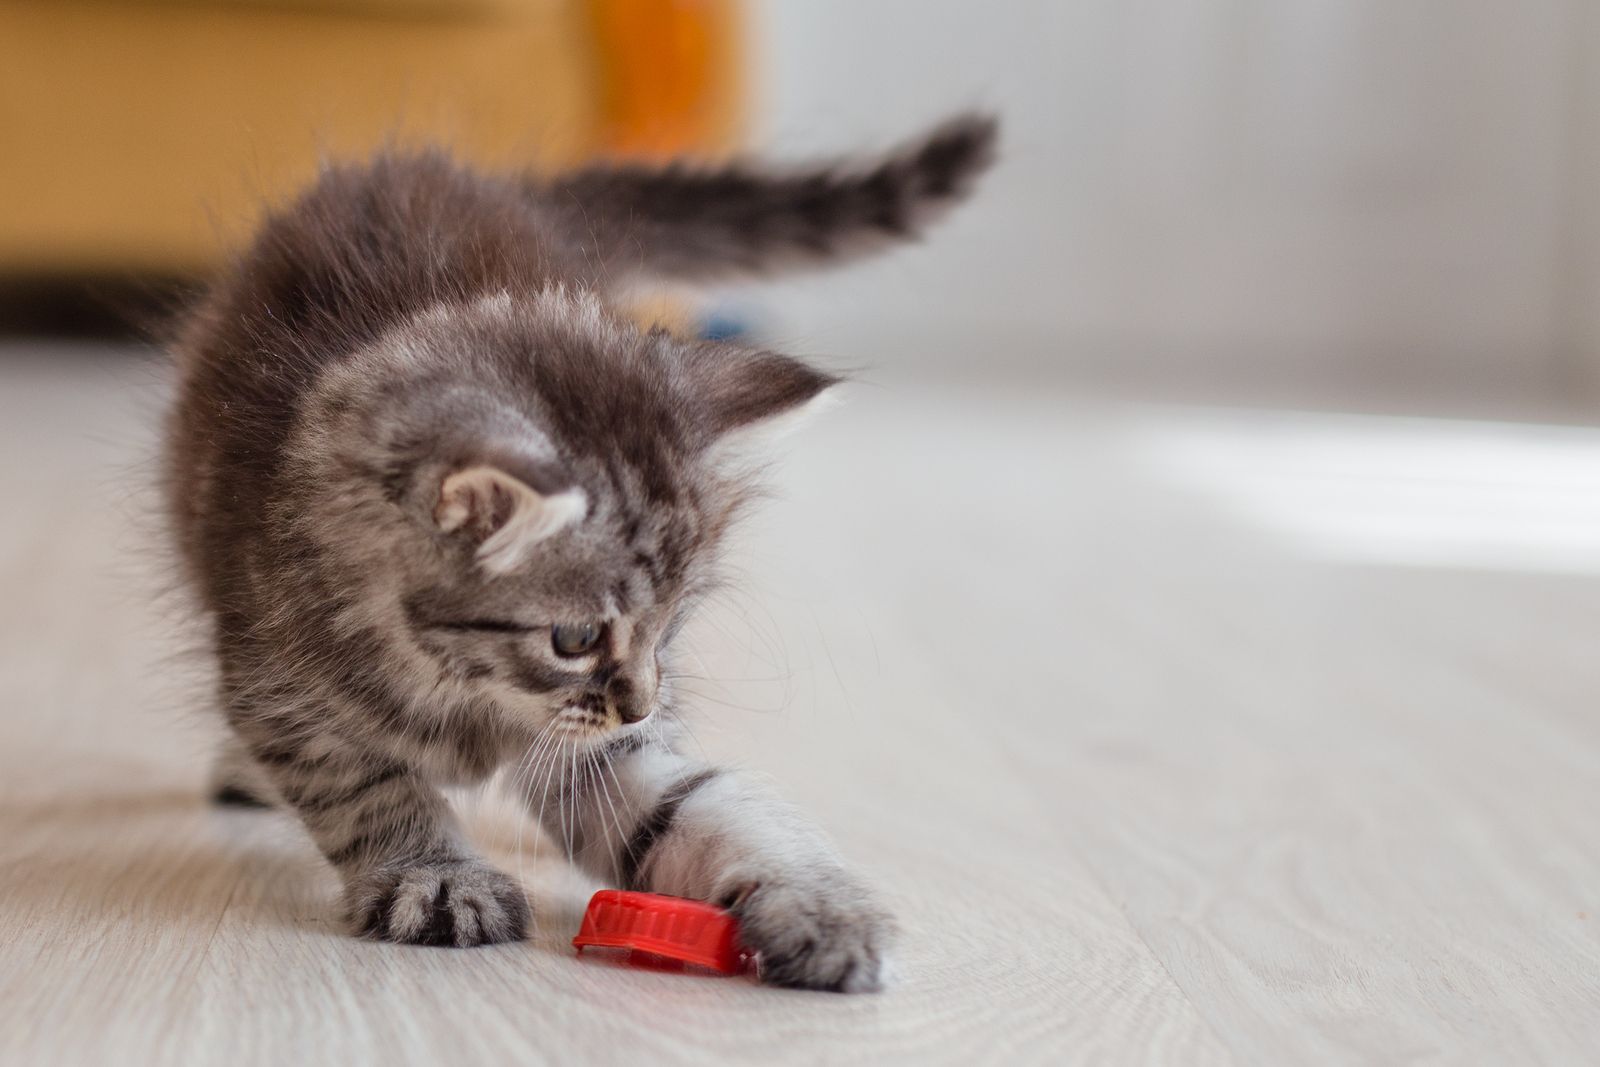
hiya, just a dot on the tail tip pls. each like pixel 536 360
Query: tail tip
pixel 956 152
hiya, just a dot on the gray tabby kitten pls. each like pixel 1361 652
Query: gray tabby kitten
pixel 445 511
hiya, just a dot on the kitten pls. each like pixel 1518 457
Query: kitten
pixel 445 511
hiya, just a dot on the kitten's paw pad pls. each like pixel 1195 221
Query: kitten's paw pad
pixel 829 935
pixel 461 903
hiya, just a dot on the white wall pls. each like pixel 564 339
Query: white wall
pixel 1327 190
pixel 1581 271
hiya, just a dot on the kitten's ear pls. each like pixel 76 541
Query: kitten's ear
pixel 503 512
pixel 752 394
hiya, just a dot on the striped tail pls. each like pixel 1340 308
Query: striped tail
pixel 683 223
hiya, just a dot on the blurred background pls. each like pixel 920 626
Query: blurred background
pixel 1329 201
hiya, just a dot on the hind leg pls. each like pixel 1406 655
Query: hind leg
pixel 237 780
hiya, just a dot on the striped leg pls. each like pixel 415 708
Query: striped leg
pixel 408 874
pixel 649 819
pixel 237 780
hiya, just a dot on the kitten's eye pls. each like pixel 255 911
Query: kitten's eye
pixel 575 639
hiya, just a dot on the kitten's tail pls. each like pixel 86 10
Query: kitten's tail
pixel 679 222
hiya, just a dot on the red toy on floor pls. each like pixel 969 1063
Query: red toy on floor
pixel 672 928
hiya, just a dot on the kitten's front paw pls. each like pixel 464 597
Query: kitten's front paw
pixel 461 903
pixel 825 933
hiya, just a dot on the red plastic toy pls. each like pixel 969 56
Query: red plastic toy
pixel 689 931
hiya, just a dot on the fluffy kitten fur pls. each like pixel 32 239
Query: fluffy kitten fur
pixel 412 440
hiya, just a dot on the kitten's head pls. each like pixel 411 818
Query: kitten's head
pixel 531 495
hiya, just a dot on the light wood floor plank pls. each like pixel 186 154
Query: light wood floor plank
pixel 1147 783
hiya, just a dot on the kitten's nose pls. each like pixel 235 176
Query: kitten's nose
pixel 631 713
pixel 631 704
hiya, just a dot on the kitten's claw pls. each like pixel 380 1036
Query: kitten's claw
pixel 828 933
pixel 460 903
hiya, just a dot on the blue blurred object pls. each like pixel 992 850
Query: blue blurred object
pixel 725 324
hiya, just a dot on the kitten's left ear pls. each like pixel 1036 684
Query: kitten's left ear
pixel 503 511
pixel 756 394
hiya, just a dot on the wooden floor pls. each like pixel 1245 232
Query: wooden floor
pixel 1150 780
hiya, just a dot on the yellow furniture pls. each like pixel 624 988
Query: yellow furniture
pixel 145 136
